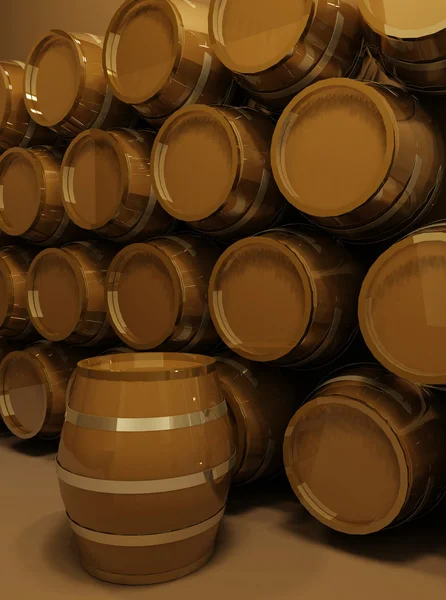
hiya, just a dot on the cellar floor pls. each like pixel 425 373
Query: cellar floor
pixel 268 548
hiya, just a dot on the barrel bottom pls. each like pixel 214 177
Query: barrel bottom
pixel 150 578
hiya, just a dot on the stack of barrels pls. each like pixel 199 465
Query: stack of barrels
pixel 229 217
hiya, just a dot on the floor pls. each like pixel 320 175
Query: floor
pixel 268 548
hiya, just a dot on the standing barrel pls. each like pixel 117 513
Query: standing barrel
pixel 211 168
pixel 107 185
pixel 31 202
pixel 401 306
pixel 15 322
pixel 261 401
pixel 276 49
pixel 33 383
pixel 157 294
pixel 157 57
pixel 360 159
pixel 168 508
pixel 287 296
pixel 17 128
pixel 367 451
pixel 66 293
pixel 65 86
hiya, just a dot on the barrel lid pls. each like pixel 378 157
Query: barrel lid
pixel 401 307
pixel 333 147
pixel 250 36
pixel 346 464
pixel 143 296
pixel 409 20
pixel 142 47
pixel 21 187
pixel 94 179
pixel 57 293
pixel 24 394
pixel 261 299
pixel 195 162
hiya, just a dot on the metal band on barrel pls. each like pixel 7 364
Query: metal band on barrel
pixel 145 424
pixel 154 486
pixel 156 539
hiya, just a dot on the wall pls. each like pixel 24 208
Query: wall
pixel 24 21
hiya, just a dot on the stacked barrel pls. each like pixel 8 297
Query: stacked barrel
pixel 223 256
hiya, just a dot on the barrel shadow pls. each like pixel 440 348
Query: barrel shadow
pixel 401 545
pixel 35 447
pixel 275 493
pixel 50 540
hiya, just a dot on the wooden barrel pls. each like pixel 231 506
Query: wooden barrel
pixel 65 86
pixel 5 347
pixel 366 169
pixel 185 70
pixel 408 32
pixel 33 383
pixel 401 306
pixel 276 50
pixel 367 451
pixel 211 168
pixel 66 293
pixel 15 322
pixel 287 296
pixel 261 401
pixel 157 294
pixel 32 206
pixel 107 185
pixel 123 508
pixel 17 128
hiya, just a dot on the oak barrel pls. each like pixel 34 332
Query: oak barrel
pixel 185 70
pixel 107 185
pixel 212 168
pixel 15 322
pixel 401 306
pixel 66 293
pixel 261 401
pixel 286 296
pixel 145 464
pixel 32 206
pixel 366 451
pixel 17 128
pixel 33 383
pixel 361 159
pixel 65 86
pixel 157 294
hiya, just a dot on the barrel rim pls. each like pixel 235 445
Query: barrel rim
pixel 31 101
pixel 217 114
pixel 117 24
pixel 67 168
pixel 93 367
pixel 310 504
pixel 369 91
pixel 310 295
pixel 8 415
